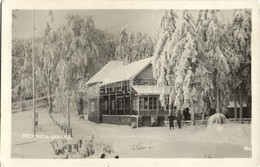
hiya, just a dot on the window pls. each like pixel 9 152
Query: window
pixel 145 102
pixel 113 89
pixel 120 104
pixel 141 103
pixel 148 103
pixel 152 102
pixel 113 105
pixel 155 102
pixel 105 105
pixel 92 106
pixel 106 90
pixel 135 104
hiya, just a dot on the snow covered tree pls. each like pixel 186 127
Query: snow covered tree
pixel 49 53
pixel 195 60
pixel 83 51
pixel 21 69
pixel 122 50
pixel 62 57
pixel 75 48
pixel 134 47
pixel 166 30
pixel 188 67
pixel 140 46
pixel 240 31
pixel 222 56
pixel 176 65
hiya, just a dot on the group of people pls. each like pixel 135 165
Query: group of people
pixel 172 116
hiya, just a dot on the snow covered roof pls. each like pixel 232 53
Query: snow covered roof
pixel 150 89
pixel 115 71
pixel 99 77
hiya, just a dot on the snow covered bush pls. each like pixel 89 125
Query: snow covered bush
pixel 93 148
pixel 102 148
pixel 217 118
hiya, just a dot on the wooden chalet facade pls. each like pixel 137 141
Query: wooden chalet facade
pixel 126 94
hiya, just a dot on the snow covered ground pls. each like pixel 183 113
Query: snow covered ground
pixel 226 141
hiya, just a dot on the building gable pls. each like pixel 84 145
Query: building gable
pixel 147 73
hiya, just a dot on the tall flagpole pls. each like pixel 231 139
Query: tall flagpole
pixel 34 114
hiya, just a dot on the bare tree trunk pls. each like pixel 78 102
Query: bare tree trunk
pixel 235 106
pixel 203 116
pixel 50 103
pixel 218 109
pixel 240 103
pixel 249 105
pixel 192 115
pixel 192 118
pixel 68 112
pixel 49 96
pixel 22 104
pixel 170 109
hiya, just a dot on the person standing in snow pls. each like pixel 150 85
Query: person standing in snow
pixel 179 118
pixel 171 119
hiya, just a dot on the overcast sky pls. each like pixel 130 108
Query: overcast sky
pixel 146 21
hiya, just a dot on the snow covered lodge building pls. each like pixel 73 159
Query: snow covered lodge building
pixel 125 93
pixel 128 93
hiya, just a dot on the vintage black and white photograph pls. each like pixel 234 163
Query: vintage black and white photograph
pixel 131 83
